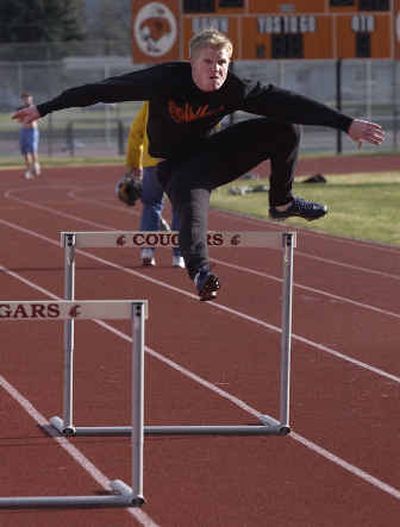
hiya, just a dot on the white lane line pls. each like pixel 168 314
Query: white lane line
pixel 231 214
pixel 69 448
pixel 298 252
pixel 217 305
pixel 254 272
pixel 348 266
pixel 256 221
pixel 303 254
pixel 314 234
pixel 9 195
pixel 59 213
pixel 263 275
pixel 329 261
pixel 349 467
pixel 240 268
pixel 309 289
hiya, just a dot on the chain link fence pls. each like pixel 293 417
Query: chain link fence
pixel 368 90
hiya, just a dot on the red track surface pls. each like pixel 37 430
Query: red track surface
pixel 338 467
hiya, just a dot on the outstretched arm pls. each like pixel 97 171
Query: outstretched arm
pixel 292 107
pixel 135 86
pixel 26 115
pixel 368 131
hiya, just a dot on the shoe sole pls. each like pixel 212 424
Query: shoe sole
pixel 209 289
pixel 283 218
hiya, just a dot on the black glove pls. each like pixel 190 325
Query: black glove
pixel 129 189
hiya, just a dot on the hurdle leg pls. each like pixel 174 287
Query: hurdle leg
pixel 269 424
pixel 69 293
pixel 65 425
pixel 122 494
pixel 137 436
pixel 286 337
pixel 135 493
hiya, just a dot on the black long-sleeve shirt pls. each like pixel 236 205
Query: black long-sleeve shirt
pixel 180 113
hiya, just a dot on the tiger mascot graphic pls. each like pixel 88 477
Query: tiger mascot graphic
pixel 155 29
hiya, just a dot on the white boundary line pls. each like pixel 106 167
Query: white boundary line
pixel 314 234
pixel 317 291
pixel 74 452
pixel 320 292
pixel 307 232
pixel 66 445
pixel 329 456
pixel 8 195
pixel 358 242
pixel 217 305
pixel 298 251
pixel 265 275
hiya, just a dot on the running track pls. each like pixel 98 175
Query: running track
pixel 206 363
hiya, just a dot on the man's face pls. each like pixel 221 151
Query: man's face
pixel 210 68
pixel 27 100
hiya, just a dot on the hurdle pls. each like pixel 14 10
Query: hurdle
pixel 284 241
pixel 121 494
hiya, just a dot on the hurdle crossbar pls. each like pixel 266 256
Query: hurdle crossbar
pixel 284 241
pixel 121 494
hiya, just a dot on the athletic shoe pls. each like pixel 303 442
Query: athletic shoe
pixel 178 261
pixel 28 175
pixel 147 256
pixel 300 207
pixel 207 285
pixel 36 169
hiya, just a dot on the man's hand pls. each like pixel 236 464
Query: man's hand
pixel 26 115
pixel 366 131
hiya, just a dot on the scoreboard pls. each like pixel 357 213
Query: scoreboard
pixel 269 29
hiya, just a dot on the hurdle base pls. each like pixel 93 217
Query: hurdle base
pixel 282 429
pixel 269 426
pixel 57 423
pixel 122 497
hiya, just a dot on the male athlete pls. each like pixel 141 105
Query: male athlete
pixel 29 141
pixel 186 101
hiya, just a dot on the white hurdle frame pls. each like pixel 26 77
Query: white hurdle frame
pixel 285 241
pixel 121 494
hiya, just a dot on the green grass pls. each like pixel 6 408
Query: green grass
pixel 361 206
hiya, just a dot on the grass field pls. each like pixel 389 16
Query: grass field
pixel 361 206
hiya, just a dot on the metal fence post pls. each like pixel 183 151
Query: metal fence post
pixel 339 102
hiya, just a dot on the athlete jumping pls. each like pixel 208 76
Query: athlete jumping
pixel 187 99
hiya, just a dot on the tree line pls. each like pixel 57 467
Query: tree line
pixel 64 20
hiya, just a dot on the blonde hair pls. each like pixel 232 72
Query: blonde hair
pixel 209 37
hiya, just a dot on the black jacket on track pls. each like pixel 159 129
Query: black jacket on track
pixel 181 114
